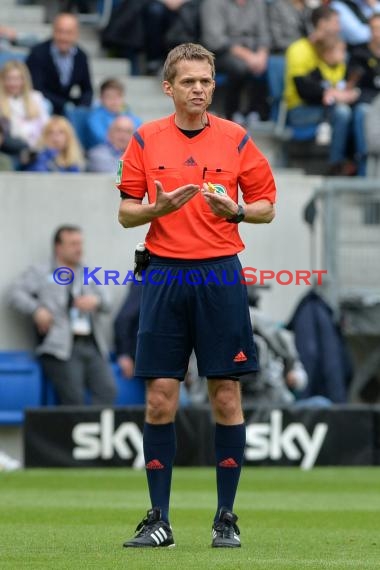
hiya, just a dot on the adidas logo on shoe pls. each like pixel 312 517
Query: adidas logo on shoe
pixel 152 532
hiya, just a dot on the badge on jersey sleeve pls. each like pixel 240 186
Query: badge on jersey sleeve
pixel 119 172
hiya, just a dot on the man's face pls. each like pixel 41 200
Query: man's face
pixel 192 87
pixel 120 133
pixel 65 32
pixel 329 27
pixel 69 250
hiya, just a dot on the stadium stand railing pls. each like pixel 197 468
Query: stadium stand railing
pixel 346 240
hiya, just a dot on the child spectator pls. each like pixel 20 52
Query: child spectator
pixel 314 92
pixel 112 104
pixel 60 150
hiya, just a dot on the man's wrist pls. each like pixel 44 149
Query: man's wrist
pixel 238 217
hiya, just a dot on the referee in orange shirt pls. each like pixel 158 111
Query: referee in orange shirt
pixel 191 165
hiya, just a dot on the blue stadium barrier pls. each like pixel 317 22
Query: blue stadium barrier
pixel 130 391
pixel 20 385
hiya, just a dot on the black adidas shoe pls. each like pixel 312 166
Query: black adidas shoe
pixel 225 532
pixel 152 531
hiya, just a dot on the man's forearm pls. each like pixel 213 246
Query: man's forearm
pixel 260 212
pixel 132 213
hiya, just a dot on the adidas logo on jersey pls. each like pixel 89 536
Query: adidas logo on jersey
pixel 190 162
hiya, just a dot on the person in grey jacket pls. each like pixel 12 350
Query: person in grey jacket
pixel 66 313
pixel 288 20
pixel 237 32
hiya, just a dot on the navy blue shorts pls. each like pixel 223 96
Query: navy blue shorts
pixel 194 304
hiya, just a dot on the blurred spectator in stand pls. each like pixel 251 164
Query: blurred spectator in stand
pixel 104 157
pixel 150 27
pixel 185 27
pixel 59 67
pixel 59 149
pixel 10 38
pixel 314 92
pixel 282 377
pixel 126 326
pixel 112 104
pixel 124 34
pixel 71 341
pixel 24 109
pixel 6 163
pixel 364 68
pixel 159 16
pixel 322 349
pixel 288 21
pixel 353 18
pixel 237 32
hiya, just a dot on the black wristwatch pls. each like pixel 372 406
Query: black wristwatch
pixel 238 217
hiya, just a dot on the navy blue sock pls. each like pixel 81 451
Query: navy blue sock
pixel 159 453
pixel 229 452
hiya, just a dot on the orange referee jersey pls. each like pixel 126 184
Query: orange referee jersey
pixel 223 154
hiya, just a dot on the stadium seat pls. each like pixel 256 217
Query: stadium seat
pixel 275 78
pixel 276 84
pixel 20 385
pixel 129 391
pixel 78 117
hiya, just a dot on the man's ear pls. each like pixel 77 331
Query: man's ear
pixel 167 88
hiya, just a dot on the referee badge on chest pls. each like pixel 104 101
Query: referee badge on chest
pixel 216 188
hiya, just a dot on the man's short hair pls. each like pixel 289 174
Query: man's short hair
pixel 186 52
pixel 322 13
pixel 66 228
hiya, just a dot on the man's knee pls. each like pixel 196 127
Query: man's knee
pixel 225 398
pixel 161 400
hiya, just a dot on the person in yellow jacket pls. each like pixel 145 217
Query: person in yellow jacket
pixel 316 90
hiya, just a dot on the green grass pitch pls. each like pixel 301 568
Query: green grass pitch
pixel 289 520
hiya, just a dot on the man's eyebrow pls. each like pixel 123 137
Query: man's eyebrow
pixel 191 78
